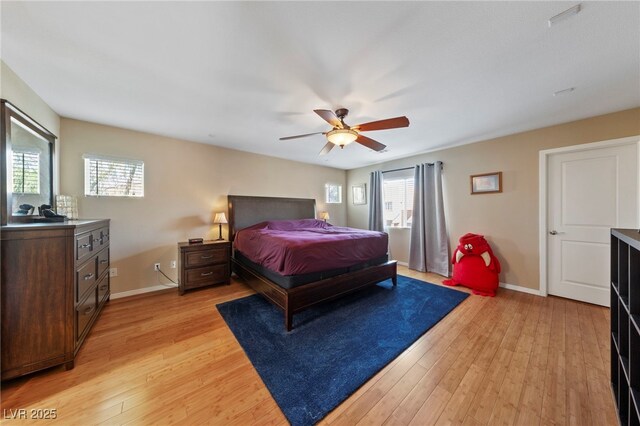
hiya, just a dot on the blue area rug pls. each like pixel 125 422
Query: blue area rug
pixel 335 347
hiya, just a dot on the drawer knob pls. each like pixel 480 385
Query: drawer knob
pixel 102 262
pixel 85 245
pixel 203 274
pixel 104 287
pixel 207 257
pixel 88 276
pixel 88 310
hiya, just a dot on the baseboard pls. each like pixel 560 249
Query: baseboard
pixel 164 287
pixel 402 263
pixel 142 291
pixel 520 288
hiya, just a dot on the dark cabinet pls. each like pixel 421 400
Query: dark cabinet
pixel 55 281
pixel 625 324
pixel 204 264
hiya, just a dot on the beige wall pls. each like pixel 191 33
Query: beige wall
pixel 185 184
pixel 509 219
pixel 399 239
pixel 16 91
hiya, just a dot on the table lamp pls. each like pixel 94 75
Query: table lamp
pixel 220 218
pixel 324 216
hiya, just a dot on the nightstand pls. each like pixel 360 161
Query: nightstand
pixel 203 264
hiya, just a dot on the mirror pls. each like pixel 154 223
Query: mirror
pixel 27 162
pixel 31 170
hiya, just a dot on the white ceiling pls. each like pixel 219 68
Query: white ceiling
pixel 241 75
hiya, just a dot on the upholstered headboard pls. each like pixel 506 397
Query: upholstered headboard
pixel 246 210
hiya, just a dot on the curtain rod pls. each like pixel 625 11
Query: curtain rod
pixel 407 168
pixel 397 170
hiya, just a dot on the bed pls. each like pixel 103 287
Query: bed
pixel 295 286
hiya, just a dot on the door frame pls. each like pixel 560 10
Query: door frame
pixel 544 156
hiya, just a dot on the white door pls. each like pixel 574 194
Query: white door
pixel 589 192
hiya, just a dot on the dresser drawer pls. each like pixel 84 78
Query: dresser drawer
pixel 85 278
pixel 100 238
pixel 105 235
pixel 206 257
pixel 103 288
pixel 207 275
pixel 85 312
pixel 84 247
pixel 103 261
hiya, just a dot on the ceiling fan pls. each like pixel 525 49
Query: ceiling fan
pixel 342 134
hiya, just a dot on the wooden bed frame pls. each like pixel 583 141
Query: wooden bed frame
pixel 246 211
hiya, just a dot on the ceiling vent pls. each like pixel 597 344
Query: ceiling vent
pixel 564 91
pixel 572 11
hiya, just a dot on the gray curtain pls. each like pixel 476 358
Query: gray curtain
pixel 429 251
pixel 376 223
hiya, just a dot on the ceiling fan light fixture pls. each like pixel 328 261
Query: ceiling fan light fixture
pixel 342 137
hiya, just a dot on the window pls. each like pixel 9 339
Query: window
pixel 397 193
pixel 106 177
pixel 333 193
pixel 26 172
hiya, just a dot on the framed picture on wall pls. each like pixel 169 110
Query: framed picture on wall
pixel 359 193
pixel 487 183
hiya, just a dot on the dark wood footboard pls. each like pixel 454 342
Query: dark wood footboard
pixel 294 300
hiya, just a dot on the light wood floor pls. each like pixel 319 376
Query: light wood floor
pixel 163 359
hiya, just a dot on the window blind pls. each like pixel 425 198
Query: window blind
pixel 107 177
pixel 333 193
pixel 397 194
pixel 26 172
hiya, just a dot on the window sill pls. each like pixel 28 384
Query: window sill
pixel 131 197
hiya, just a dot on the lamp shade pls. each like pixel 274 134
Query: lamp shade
pixel 220 218
pixel 324 215
pixel 342 137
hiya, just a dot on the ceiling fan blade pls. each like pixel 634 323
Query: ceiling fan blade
pixel 300 136
pixel 389 123
pixel 328 147
pixel 370 143
pixel 329 116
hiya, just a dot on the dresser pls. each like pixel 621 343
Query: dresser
pixel 55 281
pixel 204 264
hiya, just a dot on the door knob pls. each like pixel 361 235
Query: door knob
pixel 554 232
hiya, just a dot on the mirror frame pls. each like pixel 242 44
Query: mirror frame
pixel 9 111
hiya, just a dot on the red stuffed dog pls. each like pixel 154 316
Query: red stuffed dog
pixel 475 266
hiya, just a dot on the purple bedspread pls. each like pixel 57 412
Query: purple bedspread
pixel 293 247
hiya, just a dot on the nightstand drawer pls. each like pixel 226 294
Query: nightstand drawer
pixel 208 275
pixel 206 257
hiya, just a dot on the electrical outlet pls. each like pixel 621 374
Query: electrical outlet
pixel 173 264
pixel 156 266
pixel 113 272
